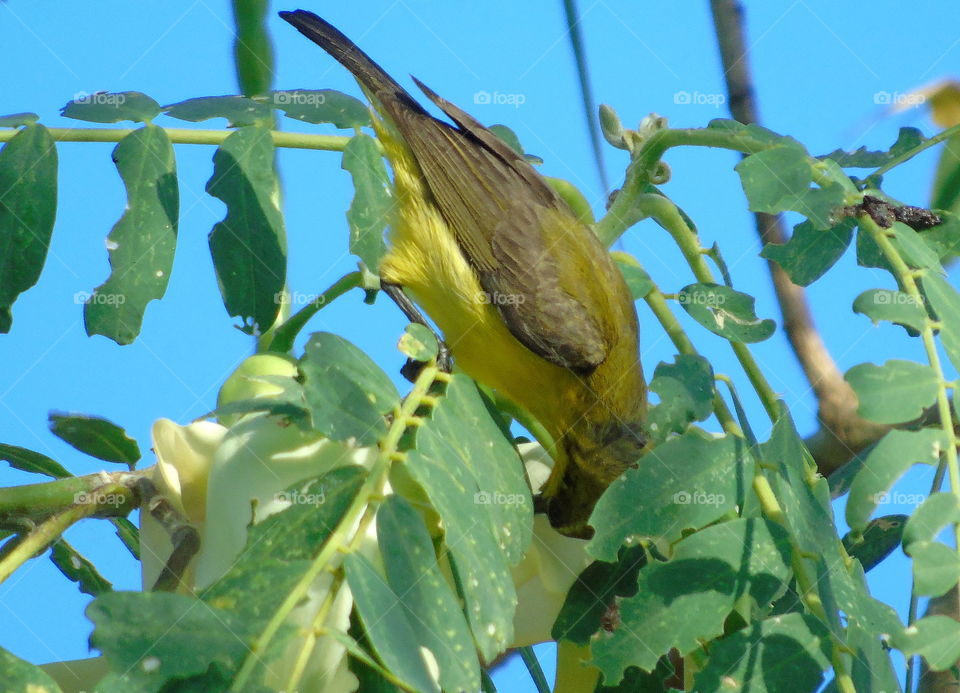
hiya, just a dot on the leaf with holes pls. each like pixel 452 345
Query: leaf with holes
pixel 143 242
pixel 249 246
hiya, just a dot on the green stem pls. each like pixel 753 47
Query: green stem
pixel 806 585
pixel 906 277
pixel 926 144
pixel 88 502
pixel 668 216
pixel 681 341
pixel 285 334
pixel 533 668
pixel 289 140
pixel 336 545
pixel 586 93
pixel 35 503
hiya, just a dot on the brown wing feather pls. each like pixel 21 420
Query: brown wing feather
pixel 496 205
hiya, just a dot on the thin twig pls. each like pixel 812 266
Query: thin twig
pixel 586 92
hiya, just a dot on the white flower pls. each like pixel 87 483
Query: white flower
pixel 222 480
pixel 549 568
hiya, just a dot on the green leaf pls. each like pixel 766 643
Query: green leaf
pixel 810 253
pixel 249 246
pixel 820 205
pixel 915 252
pixel 279 548
pixel 492 460
pixel 877 541
pixel 418 343
pixel 638 681
pixel 725 312
pixel 869 253
pixel 935 513
pixel 15 120
pixel 945 237
pixel 142 243
pixel 509 137
pixel 289 404
pixel 28 206
pixel 512 141
pixel 112 107
pixel 638 281
pixel 431 608
pixel 386 624
pixel 474 480
pixel 945 302
pixel 895 392
pixel 850 593
pixel 804 497
pixel 29 461
pixel 784 653
pixel 936 567
pixel 870 665
pixel 373 204
pixel 683 602
pixel 896 452
pixel 895 306
pixel 946 182
pixel 835 173
pixel 252 50
pixel 775 179
pixel 595 592
pixel 754 132
pixel 20 675
pixel 575 199
pixel 935 638
pixel 686 395
pixel 322 106
pixel 77 568
pixel 686 483
pixel 907 139
pixel 129 534
pixel 151 637
pixel 95 436
pixel 346 391
pixel 238 110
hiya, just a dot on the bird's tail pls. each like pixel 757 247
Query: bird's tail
pixel 371 76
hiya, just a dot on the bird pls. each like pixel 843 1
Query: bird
pixel 528 299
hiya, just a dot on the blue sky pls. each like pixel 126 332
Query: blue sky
pixel 819 68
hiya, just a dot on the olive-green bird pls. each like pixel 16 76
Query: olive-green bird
pixel 528 299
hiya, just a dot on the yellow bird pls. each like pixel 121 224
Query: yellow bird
pixel 528 299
